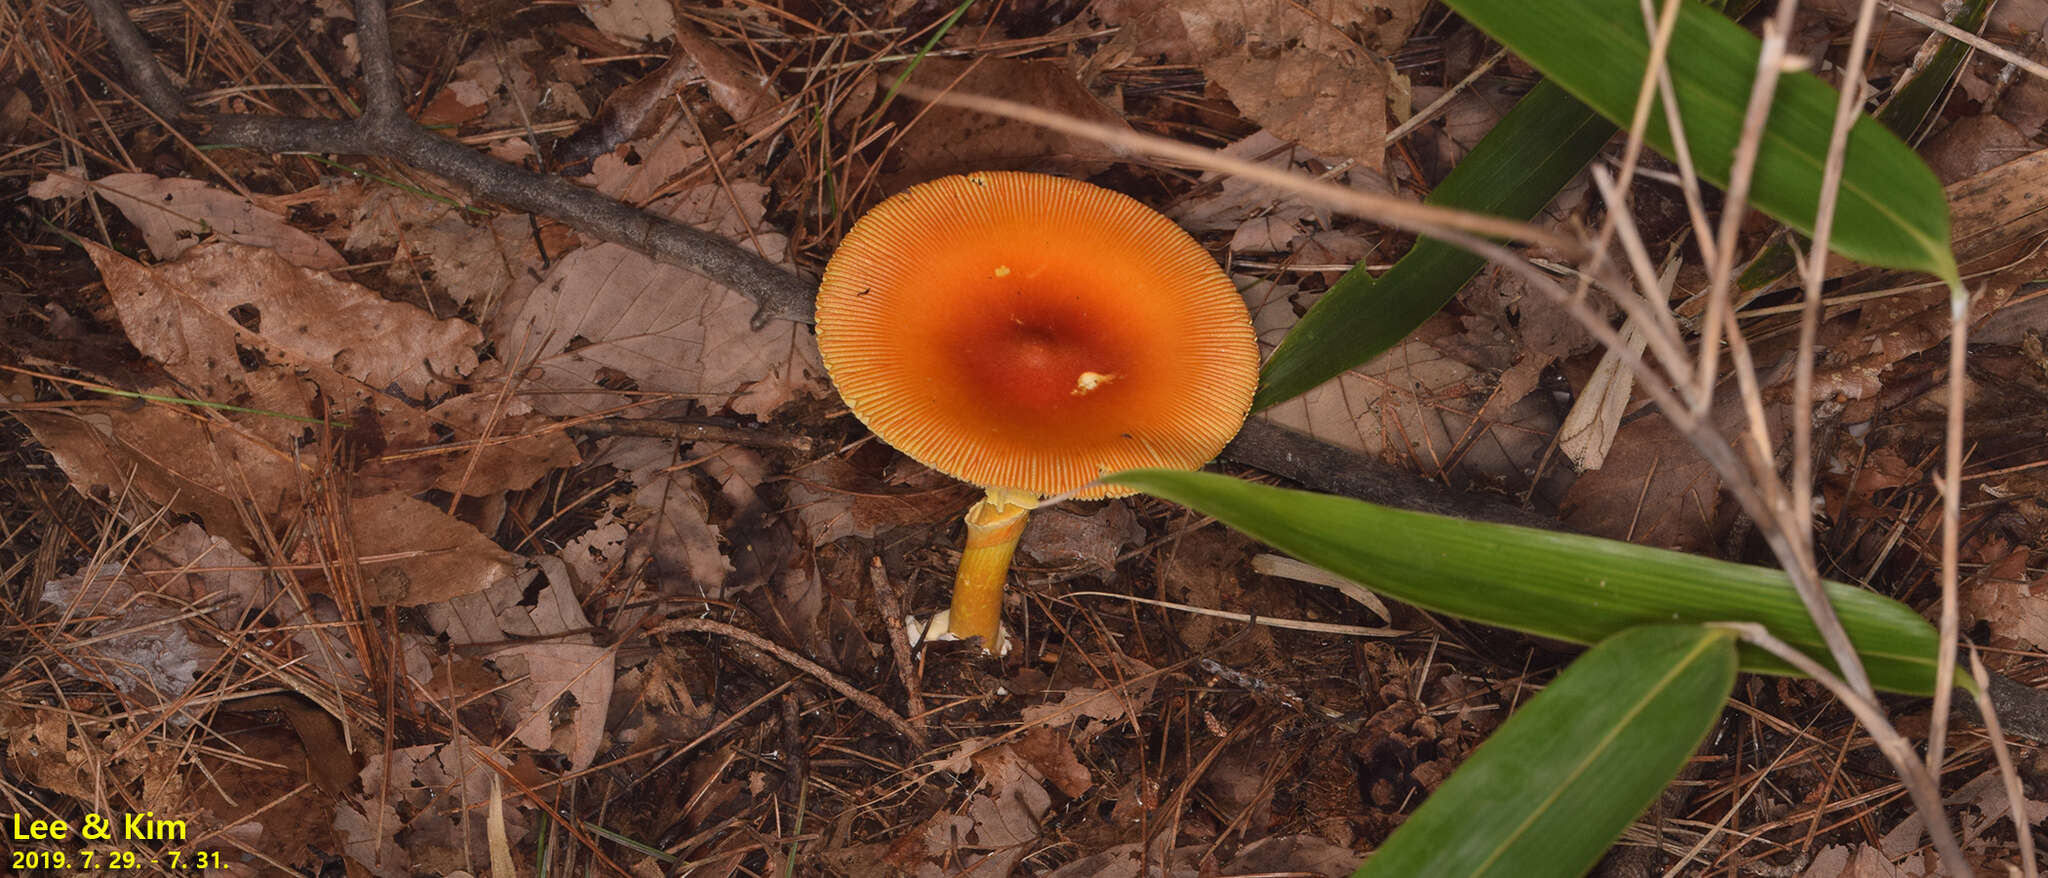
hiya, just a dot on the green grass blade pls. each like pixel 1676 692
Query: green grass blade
pixel 1513 172
pixel 1892 212
pixel 1558 782
pixel 1913 102
pixel 1567 586
pixel 1903 115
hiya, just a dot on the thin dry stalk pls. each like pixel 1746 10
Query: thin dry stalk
pixel 1912 773
pixel 2015 797
pixel 1799 518
pixel 1681 148
pixel 1721 271
pixel 1951 525
pixel 1423 219
pixel 1660 29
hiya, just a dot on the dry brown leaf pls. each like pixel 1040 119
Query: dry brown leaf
pixel 1471 113
pixel 561 701
pixel 46 749
pixel 633 21
pixel 998 825
pixel 188 564
pixel 515 448
pixel 1416 404
pixel 950 140
pixel 240 326
pixel 635 110
pixel 653 162
pixel 173 214
pixel 1106 705
pixel 367 840
pixel 833 499
pixel 1974 144
pixel 609 317
pixel 1051 754
pixel 193 316
pixel 1896 38
pixel 1588 429
pixel 1655 489
pixel 504 611
pixel 458 101
pixel 1228 201
pixel 737 89
pixel 436 783
pixel 1977 806
pixel 261 802
pixel 139 649
pixel 1331 105
pixel 441 556
pixel 1063 536
pixel 1295 71
pixel 1146 28
pixel 15 106
pixel 1293 854
pixel 597 557
pixel 2003 596
pixel 662 534
pixel 164 457
pixel 1131 860
pixel 1862 861
pixel 485 262
pixel 1204 569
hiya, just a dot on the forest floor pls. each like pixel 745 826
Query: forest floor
pixel 514 543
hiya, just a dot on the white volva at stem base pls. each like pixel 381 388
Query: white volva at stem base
pixel 940 628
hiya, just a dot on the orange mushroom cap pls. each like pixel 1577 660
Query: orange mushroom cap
pixel 1033 332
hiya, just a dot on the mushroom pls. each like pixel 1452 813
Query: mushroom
pixel 1028 333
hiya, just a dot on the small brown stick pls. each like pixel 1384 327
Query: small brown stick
pixel 863 700
pixel 891 606
pixel 694 432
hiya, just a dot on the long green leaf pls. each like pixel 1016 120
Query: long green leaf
pixel 1513 172
pixel 1903 115
pixel 1560 780
pixel 1891 213
pixel 1567 586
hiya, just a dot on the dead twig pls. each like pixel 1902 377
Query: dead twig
pixel 686 431
pixel 385 131
pixel 863 700
pixel 891 605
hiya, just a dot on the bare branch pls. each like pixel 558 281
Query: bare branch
pixel 384 131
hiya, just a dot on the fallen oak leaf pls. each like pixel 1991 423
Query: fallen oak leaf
pixel 607 312
pixel 169 458
pixel 174 213
pixel 429 555
pixel 191 316
pixel 556 674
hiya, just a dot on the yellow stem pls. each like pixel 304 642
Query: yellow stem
pixel 993 526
